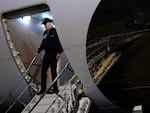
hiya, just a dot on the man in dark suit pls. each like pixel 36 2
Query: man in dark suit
pixel 53 49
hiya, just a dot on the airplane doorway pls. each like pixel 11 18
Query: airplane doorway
pixel 24 33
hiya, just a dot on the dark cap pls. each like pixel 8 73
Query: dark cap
pixel 46 20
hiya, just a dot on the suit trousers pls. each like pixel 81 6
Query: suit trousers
pixel 49 60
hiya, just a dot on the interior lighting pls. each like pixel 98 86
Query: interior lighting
pixel 26 19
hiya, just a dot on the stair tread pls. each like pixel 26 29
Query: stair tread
pixel 46 101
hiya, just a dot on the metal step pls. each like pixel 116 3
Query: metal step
pixel 49 103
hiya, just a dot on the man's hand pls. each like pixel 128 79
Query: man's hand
pixel 36 54
pixel 57 56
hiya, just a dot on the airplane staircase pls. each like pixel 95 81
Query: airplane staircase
pixel 58 103
pixel 68 100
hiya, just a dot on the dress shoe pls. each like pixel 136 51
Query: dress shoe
pixel 52 91
pixel 40 92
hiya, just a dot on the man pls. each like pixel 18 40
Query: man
pixel 53 48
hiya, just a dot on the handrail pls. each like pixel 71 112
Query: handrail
pixel 50 85
pixel 17 98
pixel 59 95
pixel 19 80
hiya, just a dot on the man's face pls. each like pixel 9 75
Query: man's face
pixel 48 26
